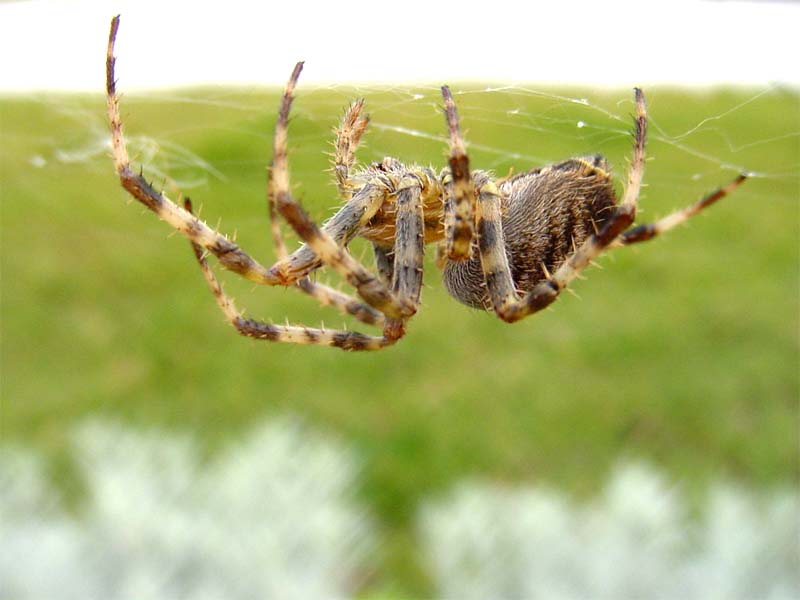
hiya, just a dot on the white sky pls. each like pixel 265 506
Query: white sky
pixel 60 45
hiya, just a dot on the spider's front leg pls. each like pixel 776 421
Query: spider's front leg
pixel 371 289
pixel 229 254
pixel 205 240
pixel 348 136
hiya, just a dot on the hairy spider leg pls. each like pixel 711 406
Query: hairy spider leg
pixel 341 227
pixel 348 136
pixel 491 242
pixel 647 231
pixel 459 208
pixel 409 249
pixel 295 334
pixel 325 295
pixel 206 240
pixel 371 289
pixel 360 204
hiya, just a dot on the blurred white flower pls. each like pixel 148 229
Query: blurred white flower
pixel 271 518
pixel 274 516
pixel 636 541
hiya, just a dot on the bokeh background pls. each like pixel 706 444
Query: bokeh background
pixel 646 428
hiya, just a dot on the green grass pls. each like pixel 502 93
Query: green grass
pixel 683 351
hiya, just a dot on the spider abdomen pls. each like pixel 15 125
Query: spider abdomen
pixel 547 213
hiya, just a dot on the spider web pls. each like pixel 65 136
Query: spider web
pixel 528 127
pixel 697 141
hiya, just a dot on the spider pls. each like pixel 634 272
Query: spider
pixel 508 246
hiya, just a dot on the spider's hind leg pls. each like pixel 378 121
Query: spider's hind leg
pixel 647 231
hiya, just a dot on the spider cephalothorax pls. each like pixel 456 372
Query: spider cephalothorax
pixel 508 246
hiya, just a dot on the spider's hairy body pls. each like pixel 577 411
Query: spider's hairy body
pixel 546 214
pixel 508 246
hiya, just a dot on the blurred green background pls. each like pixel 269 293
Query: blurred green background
pixel 682 351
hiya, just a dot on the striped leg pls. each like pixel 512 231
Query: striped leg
pixel 369 287
pixel 342 227
pixel 348 136
pixel 647 231
pixel 384 261
pixel 207 240
pixel 295 334
pixel 409 249
pixel 229 254
pixel 459 210
pixel 507 305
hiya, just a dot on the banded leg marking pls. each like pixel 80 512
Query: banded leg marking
pixel 409 251
pixel 492 248
pixel 647 231
pixel 459 210
pixel 369 287
pixel 348 136
pixel 341 227
pixel 295 334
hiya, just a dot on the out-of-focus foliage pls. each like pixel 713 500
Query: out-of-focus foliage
pixel 272 517
pixel 636 540
pixel 276 517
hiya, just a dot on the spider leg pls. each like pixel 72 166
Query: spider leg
pixel 341 228
pixel 369 287
pixel 647 231
pixel 326 295
pixel 295 334
pixel 229 254
pixel 491 242
pixel 384 261
pixel 409 250
pixel 197 231
pixel 459 209
pixel 344 225
pixel 348 136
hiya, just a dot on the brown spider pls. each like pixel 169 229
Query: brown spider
pixel 509 246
